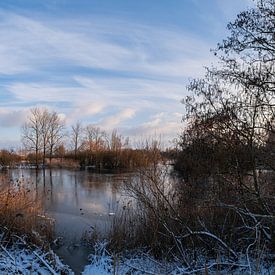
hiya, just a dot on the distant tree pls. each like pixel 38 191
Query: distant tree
pixel 31 133
pixel 95 138
pixel 60 150
pixel 42 132
pixel 116 141
pixel 56 132
pixel 45 121
pixel 8 158
pixel 76 137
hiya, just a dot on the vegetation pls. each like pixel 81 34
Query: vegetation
pixel 22 214
pixel 26 233
pixel 44 138
pixel 8 158
pixel 42 133
pixel 224 205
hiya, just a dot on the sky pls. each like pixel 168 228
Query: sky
pixel 117 64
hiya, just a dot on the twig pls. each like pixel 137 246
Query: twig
pixel 139 269
pixel 45 263
pixel 213 237
pixel 212 265
pixel 40 258
pixel 7 252
pixel 247 249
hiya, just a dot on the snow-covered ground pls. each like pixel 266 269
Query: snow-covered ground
pixel 139 263
pixel 18 259
pixel 22 259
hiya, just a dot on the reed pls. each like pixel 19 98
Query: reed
pixel 21 213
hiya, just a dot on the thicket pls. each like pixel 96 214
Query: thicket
pixel 8 158
pixel 224 206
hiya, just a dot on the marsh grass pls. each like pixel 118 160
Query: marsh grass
pixel 21 213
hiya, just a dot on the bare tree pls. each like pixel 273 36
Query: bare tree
pixel 95 138
pixel 56 132
pixel 42 132
pixel 76 136
pixel 116 141
pixel 45 121
pixel 31 131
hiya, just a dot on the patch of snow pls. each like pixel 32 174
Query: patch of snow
pixel 22 259
pixel 139 263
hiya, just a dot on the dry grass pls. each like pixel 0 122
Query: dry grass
pixel 21 213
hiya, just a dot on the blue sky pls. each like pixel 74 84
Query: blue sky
pixel 120 64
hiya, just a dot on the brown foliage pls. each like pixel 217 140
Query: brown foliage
pixel 21 213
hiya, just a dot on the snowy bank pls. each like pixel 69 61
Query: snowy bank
pixel 21 258
pixel 139 263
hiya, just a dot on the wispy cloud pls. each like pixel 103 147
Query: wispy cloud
pixel 116 119
pixel 84 110
pixel 12 118
pixel 164 125
pixel 31 44
pixel 114 72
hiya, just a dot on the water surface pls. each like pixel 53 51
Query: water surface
pixel 79 201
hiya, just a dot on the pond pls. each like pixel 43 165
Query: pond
pixel 79 201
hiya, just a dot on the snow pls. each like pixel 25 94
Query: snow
pixel 101 261
pixel 20 258
pixel 139 263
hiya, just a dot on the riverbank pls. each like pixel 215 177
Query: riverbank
pixel 81 202
pixel 76 201
pixel 139 262
pixel 22 258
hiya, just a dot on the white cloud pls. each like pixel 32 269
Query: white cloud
pixel 114 120
pixel 82 110
pixel 95 95
pixel 135 99
pixel 12 118
pixel 165 126
pixel 30 44
pixel 152 65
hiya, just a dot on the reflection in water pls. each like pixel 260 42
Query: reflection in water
pixel 79 201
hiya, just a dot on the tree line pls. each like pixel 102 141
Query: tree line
pixel 44 136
